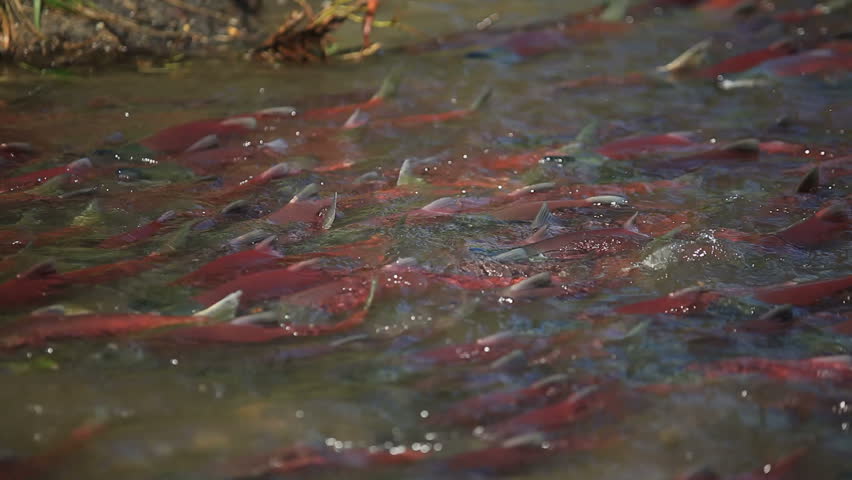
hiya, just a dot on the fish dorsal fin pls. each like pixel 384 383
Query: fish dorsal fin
pixel 259 318
pixel 310 190
pixel 249 123
pixel 309 263
pixel 514 255
pixel 543 218
pixel 169 215
pixel 539 280
pixel 40 270
pixel 746 145
pixel 357 120
pixel 390 84
pixel 279 146
pixel 630 224
pixel 781 313
pixel 204 143
pixel 532 439
pixel 249 237
pixel 235 206
pixel 224 310
pixel 267 245
pixel 88 217
pixel 530 189
pixel 406 173
pixel 480 99
pixel 587 134
pixel 607 200
pixel 78 165
pixel 330 213
pixel 810 182
pixel 692 58
pixel 280 170
pixel 283 111
pixel 615 11
pixel 550 380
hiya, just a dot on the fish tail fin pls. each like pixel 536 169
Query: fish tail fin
pixel 630 224
pixel 328 221
pixel 481 99
pixel 692 58
pixel 390 84
pixel 543 218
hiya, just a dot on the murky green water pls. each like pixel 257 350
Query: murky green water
pixel 178 411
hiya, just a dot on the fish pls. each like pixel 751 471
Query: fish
pixel 605 240
pixel 307 211
pixel 527 211
pixel 682 302
pixel 31 286
pixel 388 89
pixel 41 329
pixel 182 138
pixel 581 404
pixel 632 147
pixel 99 274
pixel 525 451
pixel 776 320
pixel 836 370
pixel 140 233
pixel 40 464
pixel 427 118
pixel 266 285
pixel 262 256
pixel 304 459
pixel 243 334
pixel 30 180
pixel 802 294
pixel 821 229
pixel 486 408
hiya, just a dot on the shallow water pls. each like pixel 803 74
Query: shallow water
pixel 184 411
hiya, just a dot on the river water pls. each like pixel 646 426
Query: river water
pixel 644 391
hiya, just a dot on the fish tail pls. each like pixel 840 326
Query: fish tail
pixel 390 85
pixel 480 100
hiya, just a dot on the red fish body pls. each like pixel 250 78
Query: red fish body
pixel 579 405
pixel 113 271
pixel 30 287
pixel 485 408
pixel 30 180
pixel 266 285
pixel 821 61
pixel 633 147
pixel 484 349
pixel 606 240
pixel 803 294
pixel 748 60
pixel 139 234
pixel 806 370
pixel 307 211
pixel 230 265
pixel 179 138
pixel 821 229
pixel 682 302
pixel 230 333
pixel 38 330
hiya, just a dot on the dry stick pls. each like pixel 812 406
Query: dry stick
pixel 6 29
pixel 196 9
pixel 17 11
